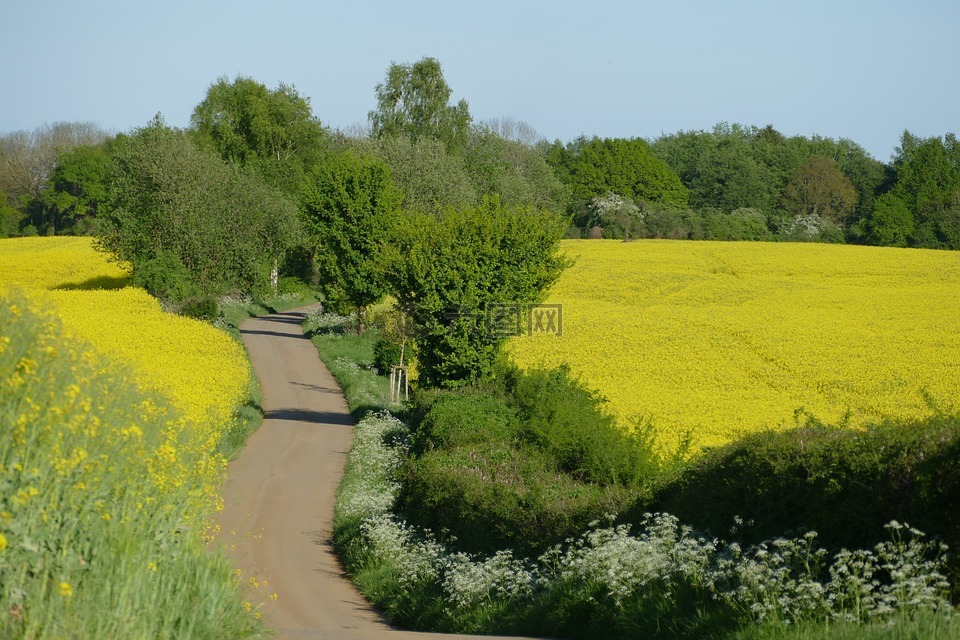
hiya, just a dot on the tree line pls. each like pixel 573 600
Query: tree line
pixel 256 192
pixel 734 182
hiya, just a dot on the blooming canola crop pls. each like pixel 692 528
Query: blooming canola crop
pixel 708 341
pixel 200 369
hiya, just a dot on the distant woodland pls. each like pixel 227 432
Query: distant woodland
pixel 735 182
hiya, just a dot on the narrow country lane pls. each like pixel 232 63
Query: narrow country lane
pixel 277 520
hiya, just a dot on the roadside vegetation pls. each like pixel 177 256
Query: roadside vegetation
pixel 108 486
pixel 647 573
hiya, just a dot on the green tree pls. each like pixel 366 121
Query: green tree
pixel 430 178
pixel 9 218
pixel 890 223
pixel 350 205
pixel 818 188
pixel 928 174
pixel 516 172
pixel 76 188
pixel 222 223
pixel 456 271
pixel 413 101
pixel 625 167
pixel 27 158
pixel 271 131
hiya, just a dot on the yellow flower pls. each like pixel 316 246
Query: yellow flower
pixel 3 542
pixel 65 589
pixel 709 341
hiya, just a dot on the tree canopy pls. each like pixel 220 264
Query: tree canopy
pixel 454 272
pixel 350 205
pixel 170 198
pixel 413 102
pixel 272 131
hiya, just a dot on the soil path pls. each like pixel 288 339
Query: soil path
pixel 279 495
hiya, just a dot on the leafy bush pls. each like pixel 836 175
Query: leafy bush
pixel 386 354
pixel 563 418
pixel 164 277
pixel 843 483
pixel 204 308
pixel 523 463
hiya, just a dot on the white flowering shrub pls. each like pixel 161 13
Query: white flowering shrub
pixel 622 564
pixel 471 583
pixel 319 319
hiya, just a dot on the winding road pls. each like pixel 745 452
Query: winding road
pixel 279 495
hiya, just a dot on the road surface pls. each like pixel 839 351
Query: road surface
pixel 277 519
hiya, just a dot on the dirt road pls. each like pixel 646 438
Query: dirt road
pixel 279 495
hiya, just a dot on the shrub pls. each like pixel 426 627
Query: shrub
pixel 806 478
pixel 386 354
pixel 203 308
pixel 164 277
pixel 522 463
pixel 563 418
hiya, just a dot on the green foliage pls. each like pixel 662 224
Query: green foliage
pixel 350 205
pixel 386 354
pixel 273 132
pixel 164 277
pixel 451 270
pixel 890 223
pixel 77 187
pixel 843 483
pixel 522 464
pixel 515 172
pixel 627 168
pixel 734 167
pixel 928 174
pixel 431 178
pixel 412 102
pixel 741 224
pixel 818 188
pixel 563 418
pixel 9 218
pixel 204 308
pixel 221 222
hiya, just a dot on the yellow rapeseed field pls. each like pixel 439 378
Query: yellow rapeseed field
pixel 111 412
pixel 201 370
pixel 709 340
pixel 57 262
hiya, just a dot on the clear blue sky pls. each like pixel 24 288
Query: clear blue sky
pixel 858 69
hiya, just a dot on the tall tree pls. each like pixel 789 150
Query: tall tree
pixel 413 102
pixel 818 188
pixel 76 189
pixel 173 202
pixel 928 174
pixel 350 207
pixel 890 223
pixel 517 173
pixel 625 167
pixel 28 157
pixel 454 271
pixel 272 131
pixel 430 178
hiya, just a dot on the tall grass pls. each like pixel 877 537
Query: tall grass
pixel 95 539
